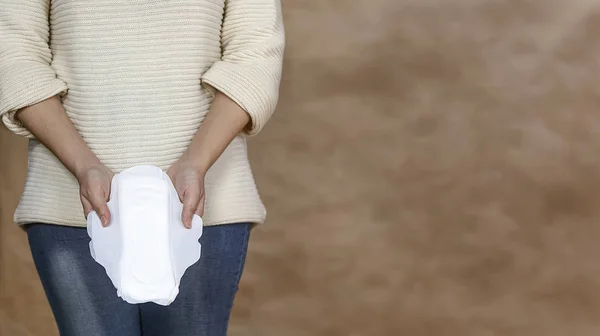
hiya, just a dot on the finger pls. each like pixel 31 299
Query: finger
pixel 190 203
pixel 200 208
pixel 98 201
pixel 87 207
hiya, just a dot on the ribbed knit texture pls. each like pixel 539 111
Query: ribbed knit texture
pixel 137 78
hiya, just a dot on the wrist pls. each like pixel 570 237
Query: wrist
pixel 196 162
pixel 83 164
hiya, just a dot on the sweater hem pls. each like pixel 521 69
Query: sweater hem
pixel 24 221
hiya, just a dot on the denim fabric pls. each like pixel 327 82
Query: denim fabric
pixel 84 301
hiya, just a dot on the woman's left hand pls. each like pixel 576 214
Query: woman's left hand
pixel 188 180
pixel 223 122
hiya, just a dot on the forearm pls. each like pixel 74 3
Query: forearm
pixel 224 121
pixel 49 123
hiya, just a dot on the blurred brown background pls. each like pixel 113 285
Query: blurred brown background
pixel 433 170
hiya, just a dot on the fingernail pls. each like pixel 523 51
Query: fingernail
pixel 104 220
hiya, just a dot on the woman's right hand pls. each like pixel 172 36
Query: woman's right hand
pixel 94 190
pixel 49 123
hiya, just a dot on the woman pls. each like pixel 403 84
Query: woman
pixel 100 86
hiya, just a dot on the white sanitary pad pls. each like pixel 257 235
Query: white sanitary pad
pixel 146 249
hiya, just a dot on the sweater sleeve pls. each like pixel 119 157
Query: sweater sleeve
pixel 26 77
pixel 249 72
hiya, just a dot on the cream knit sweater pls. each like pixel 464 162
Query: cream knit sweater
pixel 137 77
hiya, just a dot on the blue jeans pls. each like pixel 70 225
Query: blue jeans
pixel 85 303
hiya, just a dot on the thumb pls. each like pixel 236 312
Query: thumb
pixel 98 202
pixel 190 203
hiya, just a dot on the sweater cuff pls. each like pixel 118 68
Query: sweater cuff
pixel 24 84
pixel 252 87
